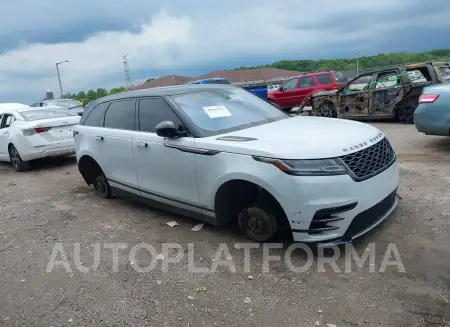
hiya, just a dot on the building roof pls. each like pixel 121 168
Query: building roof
pixel 235 76
pixel 248 75
pixel 164 81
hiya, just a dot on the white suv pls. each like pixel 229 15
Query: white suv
pixel 220 154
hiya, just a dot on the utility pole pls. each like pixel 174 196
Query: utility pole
pixel 127 72
pixel 59 77
pixel 357 63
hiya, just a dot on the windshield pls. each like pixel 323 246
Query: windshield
pixel 221 111
pixel 39 114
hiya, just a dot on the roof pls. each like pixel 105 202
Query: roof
pixel 164 81
pixel 235 76
pixel 163 91
pixel 13 105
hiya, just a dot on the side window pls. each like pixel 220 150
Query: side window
pixel 95 117
pixel 8 120
pixel 120 114
pixel 306 81
pixel 361 83
pixel 152 111
pixel 291 84
pixel 324 79
pixel 387 79
pixel 1 121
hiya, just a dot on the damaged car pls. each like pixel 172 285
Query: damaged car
pixel 388 93
pixel 220 154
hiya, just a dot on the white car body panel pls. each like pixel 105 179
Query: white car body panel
pixel 309 138
pixel 57 141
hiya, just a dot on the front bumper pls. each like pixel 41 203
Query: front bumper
pixel 363 206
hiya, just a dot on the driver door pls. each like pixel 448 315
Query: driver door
pixel 286 95
pixel 354 98
pixel 385 93
pixel 165 167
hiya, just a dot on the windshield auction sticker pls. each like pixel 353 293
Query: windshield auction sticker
pixel 217 111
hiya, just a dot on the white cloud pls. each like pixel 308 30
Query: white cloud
pixel 172 41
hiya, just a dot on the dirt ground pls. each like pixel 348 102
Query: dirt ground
pixel 51 205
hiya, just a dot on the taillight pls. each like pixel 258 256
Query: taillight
pixel 428 98
pixel 41 129
pixel 334 86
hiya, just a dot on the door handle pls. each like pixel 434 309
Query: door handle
pixel 99 138
pixel 142 144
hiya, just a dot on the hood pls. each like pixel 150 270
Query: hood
pixel 299 137
pixel 331 92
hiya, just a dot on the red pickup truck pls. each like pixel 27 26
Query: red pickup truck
pixel 293 91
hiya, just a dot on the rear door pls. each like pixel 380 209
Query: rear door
pixel 305 86
pixel 114 142
pixel 105 134
pixel 325 82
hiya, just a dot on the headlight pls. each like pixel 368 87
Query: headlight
pixel 310 167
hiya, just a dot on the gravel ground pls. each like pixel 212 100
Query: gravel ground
pixel 51 205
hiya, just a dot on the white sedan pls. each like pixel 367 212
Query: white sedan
pixel 28 133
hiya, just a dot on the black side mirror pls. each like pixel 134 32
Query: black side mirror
pixel 166 129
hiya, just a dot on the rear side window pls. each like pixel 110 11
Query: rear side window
pixel 95 117
pixel 306 81
pixel 324 79
pixel 120 115
pixel 152 111
pixel 39 114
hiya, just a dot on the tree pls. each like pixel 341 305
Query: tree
pixel 101 93
pixel 117 90
pixel 149 80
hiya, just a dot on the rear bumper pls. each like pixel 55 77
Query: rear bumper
pixel 432 122
pixel 57 149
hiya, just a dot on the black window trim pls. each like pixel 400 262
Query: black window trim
pixel 85 118
pixel 3 118
pixel 107 108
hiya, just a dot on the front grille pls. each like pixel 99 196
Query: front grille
pixel 371 161
pixel 371 216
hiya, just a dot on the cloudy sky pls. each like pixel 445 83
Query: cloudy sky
pixel 192 37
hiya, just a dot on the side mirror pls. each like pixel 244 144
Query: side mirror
pixel 280 89
pixel 166 129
